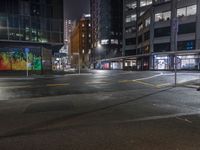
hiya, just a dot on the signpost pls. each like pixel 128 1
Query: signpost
pixel 27 50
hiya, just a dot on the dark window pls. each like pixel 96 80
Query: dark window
pixel 162 32
pixel 3 34
pixel 130 52
pixel 187 28
pixel 35 10
pixel 3 8
pixel 131 41
pixel 186 45
pixel 13 21
pixel 147 35
pixel 162 47
pixel 140 39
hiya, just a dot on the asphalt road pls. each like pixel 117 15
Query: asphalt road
pixel 97 81
pixel 105 110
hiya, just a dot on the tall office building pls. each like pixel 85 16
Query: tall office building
pixel 81 42
pixel 156 32
pixel 33 27
pixel 107 21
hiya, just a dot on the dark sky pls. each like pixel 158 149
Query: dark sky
pixel 75 8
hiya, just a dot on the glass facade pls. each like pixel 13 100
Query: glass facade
pixel 35 21
pixel 36 25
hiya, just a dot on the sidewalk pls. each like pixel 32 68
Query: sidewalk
pixel 54 74
pixel 193 84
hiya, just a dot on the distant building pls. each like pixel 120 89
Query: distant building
pixel 67 30
pixel 107 21
pixel 150 40
pixel 30 26
pixel 81 42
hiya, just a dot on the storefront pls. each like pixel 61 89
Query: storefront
pixel 184 62
pixel 162 62
pixel 189 62
pixel 105 65
pixel 116 65
pixel 143 63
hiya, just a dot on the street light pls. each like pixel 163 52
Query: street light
pixel 99 45
pixel 175 29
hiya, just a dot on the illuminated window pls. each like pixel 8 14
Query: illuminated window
pixel 164 16
pixel 131 18
pixel 187 11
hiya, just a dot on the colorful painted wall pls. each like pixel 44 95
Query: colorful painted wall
pixel 16 59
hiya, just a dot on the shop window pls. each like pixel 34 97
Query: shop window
pixel 161 62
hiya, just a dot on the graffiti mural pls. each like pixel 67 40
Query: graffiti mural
pixel 16 59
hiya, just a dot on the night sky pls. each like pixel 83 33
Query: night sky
pixel 75 8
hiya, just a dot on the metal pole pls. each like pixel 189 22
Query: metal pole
pixel 79 64
pixel 27 73
pixel 175 69
pixel 198 89
pixel 175 26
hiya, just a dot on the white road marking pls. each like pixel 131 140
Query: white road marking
pixel 160 117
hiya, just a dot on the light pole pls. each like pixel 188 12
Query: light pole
pixel 175 28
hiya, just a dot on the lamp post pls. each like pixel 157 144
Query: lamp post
pixel 175 29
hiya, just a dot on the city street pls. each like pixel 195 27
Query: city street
pixel 101 110
pixel 88 83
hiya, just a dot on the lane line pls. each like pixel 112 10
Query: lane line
pixel 15 87
pixel 140 79
pixel 55 85
pixel 124 81
pixel 184 119
pixel 96 82
pixel 145 83
pixel 151 118
pixel 163 85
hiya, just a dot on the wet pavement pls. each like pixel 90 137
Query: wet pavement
pixel 103 110
pixel 97 81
